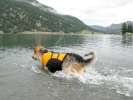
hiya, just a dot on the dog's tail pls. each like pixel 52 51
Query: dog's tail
pixel 90 58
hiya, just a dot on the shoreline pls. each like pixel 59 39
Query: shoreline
pixel 58 33
pixel 41 33
pixel 54 33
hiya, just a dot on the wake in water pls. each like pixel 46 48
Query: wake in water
pixel 122 85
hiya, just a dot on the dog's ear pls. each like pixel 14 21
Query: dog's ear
pixel 35 50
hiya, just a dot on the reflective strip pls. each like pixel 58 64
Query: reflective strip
pixel 61 56
pixel 55 55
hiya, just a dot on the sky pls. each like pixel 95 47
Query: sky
pixel 94 12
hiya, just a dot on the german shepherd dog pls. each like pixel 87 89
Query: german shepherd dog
pixel 57 61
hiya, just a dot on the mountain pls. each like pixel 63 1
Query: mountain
pixel 39 5
pixel 99 28
pixel 112 29
pixel 30 15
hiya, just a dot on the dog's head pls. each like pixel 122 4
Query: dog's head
pixel 38 51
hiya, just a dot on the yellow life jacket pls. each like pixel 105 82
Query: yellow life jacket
pixel 52 55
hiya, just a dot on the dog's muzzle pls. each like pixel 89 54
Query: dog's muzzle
pixel 34 57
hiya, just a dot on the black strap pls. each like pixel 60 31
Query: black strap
pixel 58 55
pixel 51 54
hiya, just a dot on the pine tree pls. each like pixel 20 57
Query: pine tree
pixel 130 28
pixel 124 28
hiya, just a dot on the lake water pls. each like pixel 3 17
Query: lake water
pixel 110 78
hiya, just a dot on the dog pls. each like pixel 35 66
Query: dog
pixel 57 61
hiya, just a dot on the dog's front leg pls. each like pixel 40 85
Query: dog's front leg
pixel 44 67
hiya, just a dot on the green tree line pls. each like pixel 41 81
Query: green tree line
pixel 126 27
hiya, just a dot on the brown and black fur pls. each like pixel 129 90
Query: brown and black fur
pixel 72 63
pixel 76 63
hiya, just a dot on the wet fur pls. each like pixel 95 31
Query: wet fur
pixel 73 63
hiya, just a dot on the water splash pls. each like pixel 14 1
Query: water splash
pixel 36 69
pixel 122 85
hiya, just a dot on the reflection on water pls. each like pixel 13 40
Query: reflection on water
pixel 127 40
pixel 32 40
pixel 61 40
pixel 111 77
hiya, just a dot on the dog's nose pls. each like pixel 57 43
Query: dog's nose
pixel 34 58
